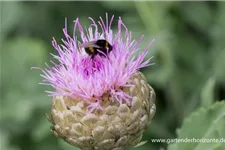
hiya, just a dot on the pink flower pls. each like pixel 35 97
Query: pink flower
pixel 78 75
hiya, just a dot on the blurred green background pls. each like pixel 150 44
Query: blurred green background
pixel 189 70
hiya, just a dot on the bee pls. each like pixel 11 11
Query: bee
pixel 100 47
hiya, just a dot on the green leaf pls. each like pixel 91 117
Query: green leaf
pixel 141 143
pixel 205 123
pixel 207 95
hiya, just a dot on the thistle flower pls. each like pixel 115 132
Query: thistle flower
pixel 100 103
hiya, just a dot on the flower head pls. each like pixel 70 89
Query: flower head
pixel 87 89
pixel 78 75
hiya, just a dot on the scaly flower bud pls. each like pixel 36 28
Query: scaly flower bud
pixel 101 101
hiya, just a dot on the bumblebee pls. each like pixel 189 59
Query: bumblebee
pixel 100 47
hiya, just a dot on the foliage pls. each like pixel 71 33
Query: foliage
pixel 204 124
pixel 188 75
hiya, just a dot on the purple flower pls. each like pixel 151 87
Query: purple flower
pixel 77 75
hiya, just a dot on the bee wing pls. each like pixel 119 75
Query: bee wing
pixel 89 44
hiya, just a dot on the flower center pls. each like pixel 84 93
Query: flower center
pixel 90 66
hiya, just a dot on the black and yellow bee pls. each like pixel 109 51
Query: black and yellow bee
pixel 99 47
